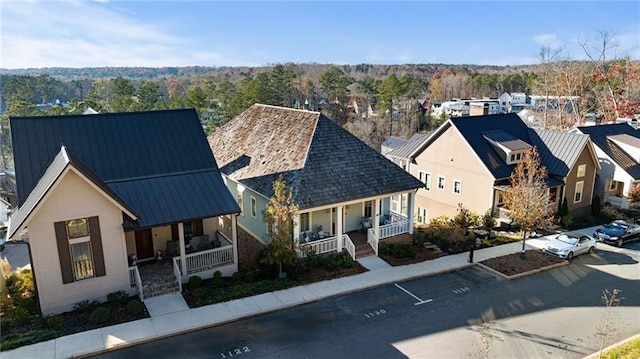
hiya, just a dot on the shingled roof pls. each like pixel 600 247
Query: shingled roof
pixel 157 163
pixel 321 161
pixel 603 136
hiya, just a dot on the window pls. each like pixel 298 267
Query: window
pixel 304 222
pixel 441 181
pixel 578 195
pixel 613 185
pixel 395 203
pixel 403 203
pixel 254 208
pixel 457 186
pixel 79 249
pixel 77 228
pixel 513 157
pixel 518 156
pixel 582 169
pixel 500 198
pixel 240 202
pixel 422 215
pixel 427 181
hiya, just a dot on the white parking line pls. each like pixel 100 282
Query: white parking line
pixel 420 301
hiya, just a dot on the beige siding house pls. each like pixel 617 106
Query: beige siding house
pixel 468 161
pixel 119 211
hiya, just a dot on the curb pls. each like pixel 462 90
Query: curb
pixel 523 274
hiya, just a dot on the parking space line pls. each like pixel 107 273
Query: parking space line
pixel 420 301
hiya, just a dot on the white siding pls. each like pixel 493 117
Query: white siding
pixel 75 198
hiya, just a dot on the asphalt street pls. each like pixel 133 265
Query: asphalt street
pixel 553 314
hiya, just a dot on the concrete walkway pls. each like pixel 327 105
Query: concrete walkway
pixel 172 317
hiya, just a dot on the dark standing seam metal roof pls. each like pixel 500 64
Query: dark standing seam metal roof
pixel 161 149
pixel 599 136
pixel 559 151
pixel 506 139
pixel 321 161
pixel 474 128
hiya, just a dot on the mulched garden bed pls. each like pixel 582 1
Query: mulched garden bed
pixel 422 254
pixel 513 264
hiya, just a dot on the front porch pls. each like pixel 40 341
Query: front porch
pixel 200 247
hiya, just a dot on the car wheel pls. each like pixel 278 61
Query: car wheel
pixel 570 256
pixel 620 242
pixel 591 250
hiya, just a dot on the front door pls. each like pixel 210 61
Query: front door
pixel 144 244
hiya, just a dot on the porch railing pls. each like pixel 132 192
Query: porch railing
pixel 393 229
pixel 397 217
pixel 373 240
pixel 176 272
pixel 503 213
pixel 203 260
pixel 348 244
pixel 320 246
pixel 136 281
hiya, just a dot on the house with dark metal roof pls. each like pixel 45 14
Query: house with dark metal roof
pixel 618 150
pixel 339 183
pixel 99 194
pixel 469 160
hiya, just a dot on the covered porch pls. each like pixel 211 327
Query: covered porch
pixel 331 228
pixel 503 214
pixel 198 247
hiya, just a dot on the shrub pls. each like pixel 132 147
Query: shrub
pixel 135 307
pixel 6 324
pixel 195 282
pixel 55 321
pixel 86 306
pixel 217 278
pixel 19 315
pixel 199 293
pixel 334 261
pixel 118 298
pixel 596 206
pixel 488 219
pixel 100 315
pixel 611 213
pixel 20 289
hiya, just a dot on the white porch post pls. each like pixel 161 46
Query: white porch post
pixel 339 228
pixel 183 261
pixel 296 228
pixel 376 218
pixel 234 240
pixel 410 210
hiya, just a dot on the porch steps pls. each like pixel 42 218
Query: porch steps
pixel 364 250
pixel 159 287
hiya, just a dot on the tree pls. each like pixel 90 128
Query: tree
pixel 149 94
pixel 334 83
pixel 611 299
pixel 528 197
pixel 387 91
pixel 279 216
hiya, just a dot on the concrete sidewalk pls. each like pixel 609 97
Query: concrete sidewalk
pixel 182 320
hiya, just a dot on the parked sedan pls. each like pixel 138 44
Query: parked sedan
pixel 618 232
pixel 570 244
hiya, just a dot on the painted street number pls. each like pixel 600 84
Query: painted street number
pixel 375 313
pixel 234 352
pixel 461 290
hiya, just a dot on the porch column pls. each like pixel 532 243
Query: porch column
pixel 183 261
pixel 339 228
pixel 234 239
pixel 410 210
pixel 376 218
pixel 296 229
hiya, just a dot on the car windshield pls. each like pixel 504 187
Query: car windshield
pixel 566 239
pixel 616 225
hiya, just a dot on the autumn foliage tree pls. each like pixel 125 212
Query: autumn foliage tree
pixel 528 197
pixel 279 216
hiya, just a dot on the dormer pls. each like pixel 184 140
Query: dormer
pixel 629 144
pixel 510 147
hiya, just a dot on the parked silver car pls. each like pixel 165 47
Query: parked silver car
pixel 570 244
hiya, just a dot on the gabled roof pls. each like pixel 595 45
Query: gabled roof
pixel 63 160
pixel 321 161
pixel 601 137
pixel 393 142
pixel 506 140
pixel 409 148
pixel 559 151
pixel 145 158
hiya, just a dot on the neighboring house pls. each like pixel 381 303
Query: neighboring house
pixel 339 183
pixel 391 143
pixel 469 161
pixel 618 150
pixel 94 192
pixel 483 107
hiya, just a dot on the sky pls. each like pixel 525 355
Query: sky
pixel 75 33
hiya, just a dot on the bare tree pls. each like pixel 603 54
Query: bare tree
pixel 611 299
pixel 528 197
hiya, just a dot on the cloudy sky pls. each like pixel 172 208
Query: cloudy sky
pixel 79 33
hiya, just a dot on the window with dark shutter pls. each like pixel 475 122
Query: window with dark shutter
pixel 80 250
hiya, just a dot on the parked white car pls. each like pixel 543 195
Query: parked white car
pixel 570 244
